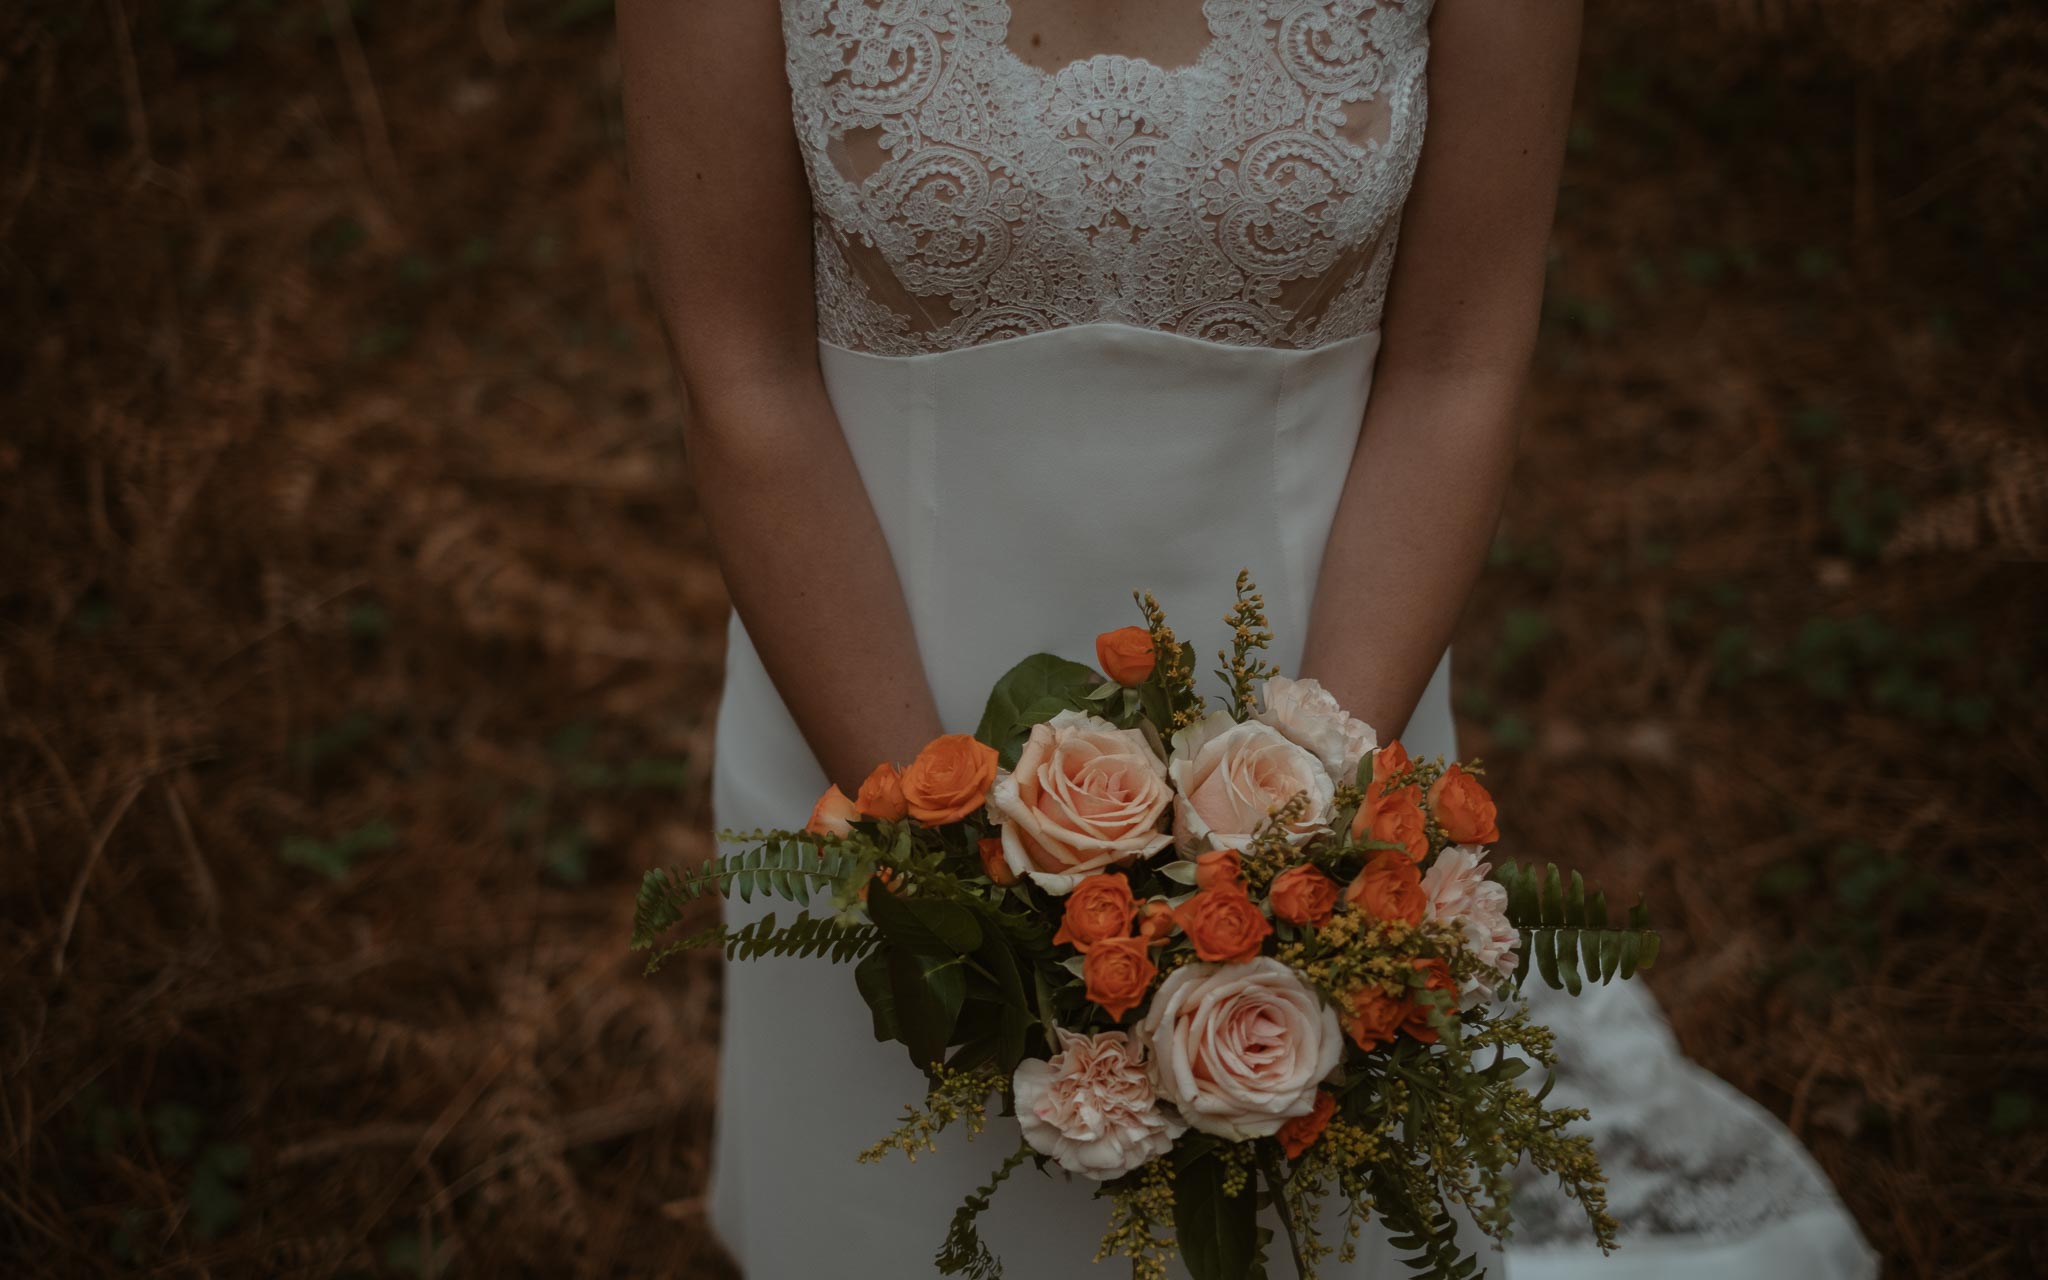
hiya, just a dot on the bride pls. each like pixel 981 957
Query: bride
pixel 992 311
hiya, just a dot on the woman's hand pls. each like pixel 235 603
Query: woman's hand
pixel 1423 494
pixel 723 210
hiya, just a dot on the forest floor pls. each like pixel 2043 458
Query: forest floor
pixel 359 638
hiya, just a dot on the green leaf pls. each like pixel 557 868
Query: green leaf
pixel 1035 690
pixel 1568 958
pixel 872 977
pixel 928 992
pixel 1014 1019
pixel 1544 942
pixel 925 926
pixel 1218 1234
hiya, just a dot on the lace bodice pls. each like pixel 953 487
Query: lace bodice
pixel 963 195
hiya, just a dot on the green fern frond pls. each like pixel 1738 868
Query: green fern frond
pixel 1566 935
pixel 784 868
pixel 963 1253
pixel 807 935
pixel 1422 1230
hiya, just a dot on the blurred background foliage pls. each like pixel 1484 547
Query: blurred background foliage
pixel 359 639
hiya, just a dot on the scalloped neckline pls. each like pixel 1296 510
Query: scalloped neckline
pixel 1211 50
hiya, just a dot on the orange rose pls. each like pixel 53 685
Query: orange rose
pixel 949 779
pixel 991 850
pixel 1126 654
pixel 881 796
pixel 1463 808
pixel 832 814
pixel 1390 761
pixel 1155 921
pixel 1438 978
pixel 1099 908
pixel 1375 1017
pixel 1390 888
pixel 1395 818
pixel 1301 1132
pixel 1303 895
pixel 1118 971
pixel 1224 925
pixel 1219 869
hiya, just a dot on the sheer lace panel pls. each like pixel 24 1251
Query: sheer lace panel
pixel 1245 188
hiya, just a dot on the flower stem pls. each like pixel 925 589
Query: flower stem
pixel 1269 1164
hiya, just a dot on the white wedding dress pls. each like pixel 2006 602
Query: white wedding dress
pixel 1092 329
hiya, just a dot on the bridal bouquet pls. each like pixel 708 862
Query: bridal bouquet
pixel 1215 960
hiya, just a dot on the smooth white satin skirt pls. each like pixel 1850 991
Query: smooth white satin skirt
pixel 1026 488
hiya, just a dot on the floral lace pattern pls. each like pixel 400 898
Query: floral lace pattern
pixel 964 195
pixel 1689 1159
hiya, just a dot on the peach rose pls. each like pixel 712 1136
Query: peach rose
pixel 991 850
pixel 1303 896
pixel 1436 977
pixel 1224 925
pixel 1309 716
pixel 1463 808
pixel 881 795
pixel 949 779
pixel 833 815
pixel 1126 654
pixel 1229 777
pixel 1219 869
pixel 1239 1048
pixel 1395 817
pixel 1099 908
pixel 1300 1133
pixel 1091 1106
pixel 1155 921
pixel 1117 971
pixel 1375 1017
pixel 1389 888
pixel 1085 795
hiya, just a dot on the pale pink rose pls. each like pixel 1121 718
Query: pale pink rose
pixel 1239 1048
pixel 1085 795
pixel 1091 1106
pixel 1228 777
pixel 1455 889
pixel 1308 716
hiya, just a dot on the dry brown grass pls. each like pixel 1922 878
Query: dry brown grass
pixel 358 637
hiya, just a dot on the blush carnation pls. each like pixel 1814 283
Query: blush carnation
pixel 1309 716
pixel 1455 889
pixel 1091 1106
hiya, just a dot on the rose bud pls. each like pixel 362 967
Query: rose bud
pixel 1126 654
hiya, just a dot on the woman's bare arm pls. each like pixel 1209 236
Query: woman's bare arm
pixel 724 212
pixel 1424 491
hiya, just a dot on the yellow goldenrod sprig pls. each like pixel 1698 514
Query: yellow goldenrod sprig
pixel 1142 1212
pixel 952 1095
pixel 1248 631
pixel 1173 675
